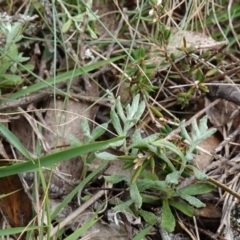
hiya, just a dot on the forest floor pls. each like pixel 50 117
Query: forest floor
pixel 120 118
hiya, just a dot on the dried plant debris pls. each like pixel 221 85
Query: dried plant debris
pixel 223 113
pixel 109 20
pixel 15 203
pixel 63 123
pixel 229 93
pixel 197 40
pixel 226 112
pixel 235 222
pixel 153 166
pixel 180 39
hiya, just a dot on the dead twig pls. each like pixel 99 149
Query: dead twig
pixel 23 101
pixel 222 75
pixel 227 140
pixel 76 213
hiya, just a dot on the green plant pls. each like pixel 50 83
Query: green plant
pixel 66 28
pixel 139 73
pixel 80 13
pixel 153 159
pixel 89 137
pixel 183 98
pixel 10 57
pixel 48 160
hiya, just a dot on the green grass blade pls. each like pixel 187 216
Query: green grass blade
pixel 14 141
pixel 83 183
pixel 62 77
pixel 56 157
pixel 143 233
pixel 12 231
pixel 84 228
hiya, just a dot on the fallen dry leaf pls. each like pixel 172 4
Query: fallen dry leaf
pixel 210 211
pixel 17 206
pixel 203 160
